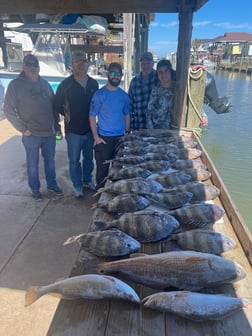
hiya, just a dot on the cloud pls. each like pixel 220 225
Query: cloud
pixel 201 23
pixel 164 25
pixel 229 25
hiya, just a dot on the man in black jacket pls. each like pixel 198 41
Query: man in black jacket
pixel 72 100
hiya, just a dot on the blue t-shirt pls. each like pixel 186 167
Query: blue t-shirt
pixel 110 107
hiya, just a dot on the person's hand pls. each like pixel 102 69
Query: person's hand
pixel 204 121
pixel 99 140
pixel 27 133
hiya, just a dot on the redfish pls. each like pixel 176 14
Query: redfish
pixel 197 306
pixel 188 270
pixel 88 286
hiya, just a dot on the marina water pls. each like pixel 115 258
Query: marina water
pixel 228 139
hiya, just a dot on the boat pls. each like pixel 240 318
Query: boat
pixel 107 317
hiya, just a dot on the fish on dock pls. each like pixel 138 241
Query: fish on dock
pixel 155 165
pixel 196 216
pixel 188 163
pixel 187 153
pixel 204 240
pixel 198 174
pixel 172 179
pixel 123 203
pixel 196 306
pixel 126 160
pixel 170 157
pixel 136 185
pixel 108 243
pixel 201 192
pixel 146 226
pixel 88 286
pixel 134 150
pixel 169 201
pixel 127 173
pixel 187 270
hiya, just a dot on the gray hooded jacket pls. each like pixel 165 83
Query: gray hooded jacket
pixel 28 106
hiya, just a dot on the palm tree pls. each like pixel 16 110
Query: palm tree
pixel 196 43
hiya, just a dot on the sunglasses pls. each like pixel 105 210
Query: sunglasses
pixel 114 73
pixel 31 64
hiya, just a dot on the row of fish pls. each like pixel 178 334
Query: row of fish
pixel 167 206
pixel 190 305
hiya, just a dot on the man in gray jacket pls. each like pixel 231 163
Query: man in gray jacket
pixel 28 107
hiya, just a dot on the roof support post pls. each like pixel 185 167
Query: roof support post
pixel 183 61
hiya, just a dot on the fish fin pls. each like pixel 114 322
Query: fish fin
pixel 101 190
pixel 57 295
pixel 136 255
pixel 32 295
pixel 94 206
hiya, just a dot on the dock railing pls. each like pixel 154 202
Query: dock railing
pixel 240 64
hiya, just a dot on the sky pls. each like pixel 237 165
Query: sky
pixel 212 20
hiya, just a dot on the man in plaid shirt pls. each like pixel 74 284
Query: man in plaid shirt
pixel 139 92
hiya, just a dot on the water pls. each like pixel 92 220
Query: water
pixel 228 139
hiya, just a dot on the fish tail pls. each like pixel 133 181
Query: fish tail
pixel 70 240
pixel 107 161
pixel 95 205
pixel 32 295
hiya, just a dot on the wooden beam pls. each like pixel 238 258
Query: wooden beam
pixel 93 6
pixel 89 48
pixel 183 62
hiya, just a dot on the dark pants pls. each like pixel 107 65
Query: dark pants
pixel 104 152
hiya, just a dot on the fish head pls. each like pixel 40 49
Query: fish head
pixel 218 212
pixel 130 244
pixel 227 243
pixel 240 272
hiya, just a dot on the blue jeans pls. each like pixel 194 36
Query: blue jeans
pixel 32 145
pixel 76 145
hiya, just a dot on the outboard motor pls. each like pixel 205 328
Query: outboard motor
pixel 211 98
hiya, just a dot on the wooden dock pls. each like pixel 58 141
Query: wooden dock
pixel 239 65
pixel 110 317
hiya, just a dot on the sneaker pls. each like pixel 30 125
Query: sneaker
pixel 36 195
pixel 56 190
pixel 90 185
pixel 78 193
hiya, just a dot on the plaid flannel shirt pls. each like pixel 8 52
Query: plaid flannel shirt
pixel 139 93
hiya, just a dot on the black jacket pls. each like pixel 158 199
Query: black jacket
pixel 73 101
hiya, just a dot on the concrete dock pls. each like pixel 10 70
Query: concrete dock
pixel 32 235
